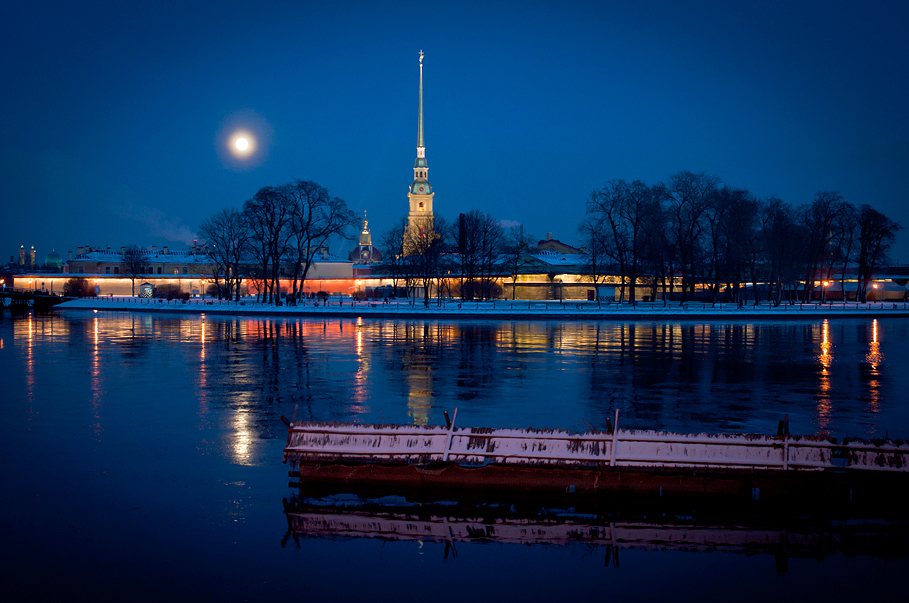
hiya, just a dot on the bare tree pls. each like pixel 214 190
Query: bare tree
pixel 621 211
pixel 226 235
pixel 425 246
pixel 784 245
pixel 135 261
pixel 877 233
pixel 480 247
pixel 393 262
pixel 843 245
pixel 687 196
pixel 821 219
pixel 730 219
pixel 516 254
pixel 268 215
pixel 316 217
pixel 598 262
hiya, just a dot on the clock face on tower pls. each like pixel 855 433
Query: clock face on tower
pixel 422 189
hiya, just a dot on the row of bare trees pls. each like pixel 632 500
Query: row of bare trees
pixel 466 259
pixel 694 230
pixel 280 227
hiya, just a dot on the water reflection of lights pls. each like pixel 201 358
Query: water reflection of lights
pixel 30 363
pixel 874 358
pixel 202 372
pixel 361 384
pixel 242 443
pixel 824 404
pixel 95 379
pixel 826 357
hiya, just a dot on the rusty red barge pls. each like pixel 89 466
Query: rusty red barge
pixel 611 462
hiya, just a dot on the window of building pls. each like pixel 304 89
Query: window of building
pixel 81 269
pixel 185 270
pixel 107 270
pixel 159 269
pixel 116 269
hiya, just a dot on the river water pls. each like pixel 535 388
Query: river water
pixel 142 453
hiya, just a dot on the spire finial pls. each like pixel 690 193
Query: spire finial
pixel 420 144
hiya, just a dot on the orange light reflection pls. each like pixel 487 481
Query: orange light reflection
pixel 824 403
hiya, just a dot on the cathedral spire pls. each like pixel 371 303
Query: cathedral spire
pixel 421 148
pixel 420 194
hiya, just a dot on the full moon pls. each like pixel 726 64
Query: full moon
pixel 242 144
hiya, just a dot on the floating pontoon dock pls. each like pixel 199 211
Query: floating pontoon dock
pixel 615 460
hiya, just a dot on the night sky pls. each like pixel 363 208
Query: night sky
pixel 116 116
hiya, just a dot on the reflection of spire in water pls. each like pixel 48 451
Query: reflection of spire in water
pixel 419 397
pixel 418 370
pixel 824 406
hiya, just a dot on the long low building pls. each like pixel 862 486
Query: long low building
pixel 189 270
pixel 546 274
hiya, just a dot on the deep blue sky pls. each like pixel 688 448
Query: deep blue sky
pixel 115 114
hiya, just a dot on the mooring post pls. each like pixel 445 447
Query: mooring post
pixel 454 417
pixel 785 429
pixel 615 433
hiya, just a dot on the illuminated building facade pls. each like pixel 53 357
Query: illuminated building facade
pixel 190 270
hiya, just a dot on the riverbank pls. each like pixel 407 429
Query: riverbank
pixel 499 309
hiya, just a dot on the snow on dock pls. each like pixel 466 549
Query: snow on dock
pixel 310 442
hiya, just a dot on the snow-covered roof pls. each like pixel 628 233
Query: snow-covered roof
pixel 560 259
pixel 179 256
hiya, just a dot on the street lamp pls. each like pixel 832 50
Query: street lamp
pixel 824 292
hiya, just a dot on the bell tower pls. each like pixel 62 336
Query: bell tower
pixel 420 193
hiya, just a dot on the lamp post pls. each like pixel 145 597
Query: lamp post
pixel 824 292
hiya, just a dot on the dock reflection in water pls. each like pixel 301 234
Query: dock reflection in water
pixel 451 525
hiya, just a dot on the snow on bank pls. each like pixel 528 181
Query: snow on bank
pixel 497 309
